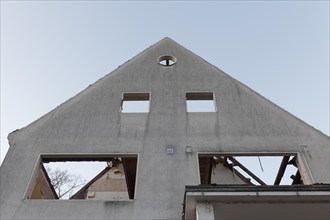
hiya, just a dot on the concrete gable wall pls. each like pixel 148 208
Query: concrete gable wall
pixel 91 123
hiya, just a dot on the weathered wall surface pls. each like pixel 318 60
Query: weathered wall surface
pixel 91 123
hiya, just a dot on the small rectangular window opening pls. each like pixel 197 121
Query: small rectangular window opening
pixel 200 102
pixel 110 178
pixel 135 103
pixel 250 170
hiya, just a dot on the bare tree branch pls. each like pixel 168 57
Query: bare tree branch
pixel 64 183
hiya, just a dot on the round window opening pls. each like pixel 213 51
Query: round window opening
pixel 167 60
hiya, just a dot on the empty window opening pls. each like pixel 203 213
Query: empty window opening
pixel 91 178
pixel 135 103
pixel 167 60
pixel 200 102
pixel 251 170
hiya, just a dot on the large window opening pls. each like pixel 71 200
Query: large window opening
pixel 135 103
pixel 98 177
pixel 249 169
pixel 200 102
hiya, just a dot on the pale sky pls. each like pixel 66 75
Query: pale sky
pixel 51 50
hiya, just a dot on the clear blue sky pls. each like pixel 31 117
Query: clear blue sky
pixel 51 50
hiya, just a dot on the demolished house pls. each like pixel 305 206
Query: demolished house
pixel 180 139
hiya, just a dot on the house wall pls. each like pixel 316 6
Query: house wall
pixel 111 186
pixel 222 175
pixel 41 188
pixel 91 123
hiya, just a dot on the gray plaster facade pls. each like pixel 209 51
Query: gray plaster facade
pixel 91 123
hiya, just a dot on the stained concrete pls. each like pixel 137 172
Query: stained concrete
pixel 90 122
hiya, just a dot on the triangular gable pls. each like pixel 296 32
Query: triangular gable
pixel 43 188
pixel 244 120
pixel 81 194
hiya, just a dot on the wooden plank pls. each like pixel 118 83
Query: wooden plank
pixel 205 169
pixel 247 171
pixel 199 95
pixel 130 165
pixel 281 170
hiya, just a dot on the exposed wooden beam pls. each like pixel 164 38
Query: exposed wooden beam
pixel 205 169
pixel 235 162
pixel 297 179
pixel 236 172
pixel 130 165
pixel 281 170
